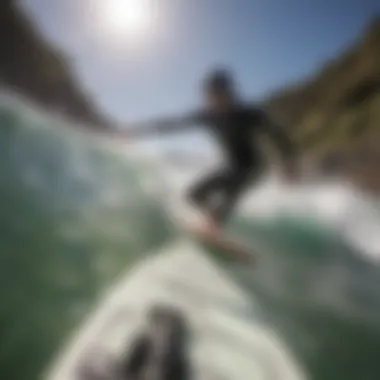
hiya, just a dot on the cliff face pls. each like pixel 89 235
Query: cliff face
pixel 30 65
pixel 335 117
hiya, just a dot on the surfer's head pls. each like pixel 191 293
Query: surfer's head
pixel 219 90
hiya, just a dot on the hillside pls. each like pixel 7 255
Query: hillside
pixel 29 65
pixel 335 116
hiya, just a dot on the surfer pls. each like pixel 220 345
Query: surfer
pixel 236 126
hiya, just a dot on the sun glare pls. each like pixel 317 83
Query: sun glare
pixel 128 16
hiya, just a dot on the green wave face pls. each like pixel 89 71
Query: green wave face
pixel 76 213
pixel 73 215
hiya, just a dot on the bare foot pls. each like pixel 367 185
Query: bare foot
pixel 211 227
pixel 207 227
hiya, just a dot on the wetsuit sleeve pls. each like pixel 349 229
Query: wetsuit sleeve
pixel 278 136
pixel 169 125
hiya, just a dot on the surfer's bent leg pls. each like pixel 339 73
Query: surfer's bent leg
pixel 236 184
pixel 218 194
pixel 203 191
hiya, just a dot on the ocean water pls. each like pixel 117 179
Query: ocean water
pixel 80 213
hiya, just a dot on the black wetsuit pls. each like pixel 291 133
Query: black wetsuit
pixel 237 132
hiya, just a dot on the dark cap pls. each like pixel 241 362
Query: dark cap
pixel 219 80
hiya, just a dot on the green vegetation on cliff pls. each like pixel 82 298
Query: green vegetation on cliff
pixel 335 116
pixel 339 108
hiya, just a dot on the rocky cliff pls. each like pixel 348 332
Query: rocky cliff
pixel 335 116
pixel 31 66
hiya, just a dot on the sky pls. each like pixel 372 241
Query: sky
pixel 158 72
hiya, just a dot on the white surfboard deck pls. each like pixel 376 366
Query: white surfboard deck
pixel 227 341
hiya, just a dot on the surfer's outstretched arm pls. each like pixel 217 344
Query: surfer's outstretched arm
pixel 166 125
pixel 284 144
pixel 282 141
pixel 279 137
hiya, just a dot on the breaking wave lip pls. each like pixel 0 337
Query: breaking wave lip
pixel 336 205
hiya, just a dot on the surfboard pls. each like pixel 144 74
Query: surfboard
pixel 227 338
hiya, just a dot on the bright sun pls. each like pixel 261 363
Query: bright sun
pixel 128 16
